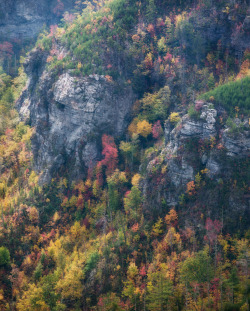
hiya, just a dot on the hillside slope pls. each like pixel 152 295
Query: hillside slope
pixel 125 176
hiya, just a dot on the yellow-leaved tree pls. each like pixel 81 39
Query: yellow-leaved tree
pixel 144 128
pixel 135 180
pixel 32 300
pixel 70 286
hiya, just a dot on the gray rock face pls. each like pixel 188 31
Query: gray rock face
pixel 236 145
pixel 203 128
pixel 213 167
pixel 246 24
pixel 180 174
pixel 189 151
pixel 22 19
pixel 70 115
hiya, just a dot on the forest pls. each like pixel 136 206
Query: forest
pixel 160 220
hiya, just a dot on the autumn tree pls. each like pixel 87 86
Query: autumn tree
pixel 110 302
pixel 233 282
pixel 110 153
pixel 130 149
pixel 171 218
pixel 32 300
pixel 155 106
pixel 131 286
pixel 70 285
pixel 157 130
pixel 213 229
pixel 144 128
pixel 58 9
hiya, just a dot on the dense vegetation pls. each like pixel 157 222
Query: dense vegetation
pixel 92 244
pixel 232 95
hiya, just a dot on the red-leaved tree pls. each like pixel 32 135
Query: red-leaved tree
pixel 157 130
pixel 110 154
pixel 6 49
pixel 213 229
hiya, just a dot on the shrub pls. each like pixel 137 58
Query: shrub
pixel 193 113
pixel 233 127
pixel 174 117
pixel 155 106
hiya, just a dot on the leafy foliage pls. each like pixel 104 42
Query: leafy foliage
pixel 92 244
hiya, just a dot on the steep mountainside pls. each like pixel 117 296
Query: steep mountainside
pixel 55 93
pixel 124 157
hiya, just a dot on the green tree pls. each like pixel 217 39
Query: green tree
pixel 132 202
pixel 4 256
pixel 197 268
pixel 159 290
pixel 233 282
pixel 211 81
pixel 151 11
pixel 38 272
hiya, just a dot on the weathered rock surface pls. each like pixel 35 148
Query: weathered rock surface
pixel 203 128
pixel 24 19
pixel 200 147
pixel 236 145
pixel 70 114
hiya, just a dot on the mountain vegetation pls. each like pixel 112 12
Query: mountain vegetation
pixel 160 221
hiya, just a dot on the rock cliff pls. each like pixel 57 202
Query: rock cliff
pixel 69 115
pixel 199 152
pixel 24 19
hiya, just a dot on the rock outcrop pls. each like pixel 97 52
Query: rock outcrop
pixel 201 151
pixel 69 115
pixel 24 19
pixel 236 145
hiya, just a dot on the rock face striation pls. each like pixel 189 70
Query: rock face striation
pixel 24 19
pixel 69 115
pixel 202 151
